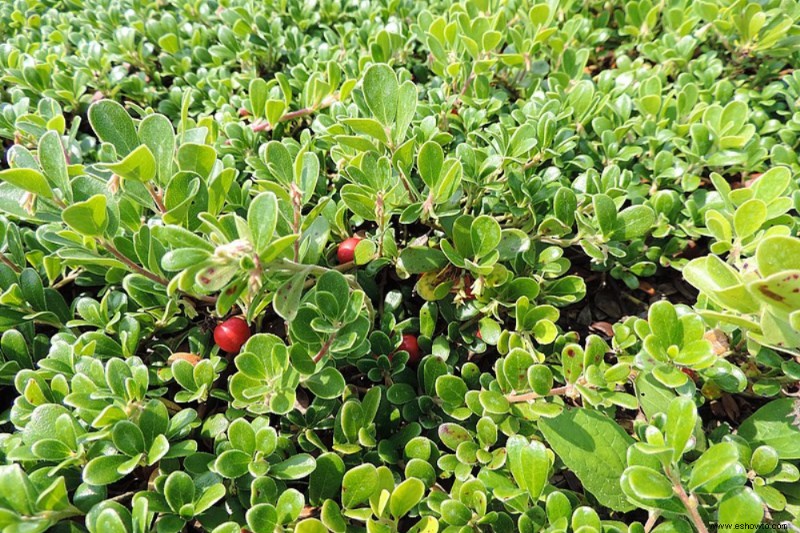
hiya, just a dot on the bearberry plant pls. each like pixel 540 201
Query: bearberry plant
pixel 389 266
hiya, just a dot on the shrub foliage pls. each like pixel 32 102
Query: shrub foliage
pixel 572 302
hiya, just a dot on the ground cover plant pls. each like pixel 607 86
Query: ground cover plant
pixel 399 266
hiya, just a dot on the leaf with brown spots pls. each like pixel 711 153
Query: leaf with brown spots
pixel 719 341
pixel 781 290
pixel 191 358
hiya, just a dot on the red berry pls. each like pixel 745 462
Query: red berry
pixel 409 344
pixel 232 334
pixel 478 335
pixel 347 250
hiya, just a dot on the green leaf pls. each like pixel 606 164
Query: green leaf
pixel 210 496
pixel 740 506
pixel 262 518
pixel 358 485
pixel 772 184
pixel 381 92
pixel 327 384
pixel 306 175
pixel 178 490
pixel 681 420
pixel 365 252
pixel 160 447
pixel 513 243
pixel 605 210
pixel 764 460
pixel 153 420
pixel 565 204
pixel 157 133
pixel 594 447
pixel 670 375
pixel 368 126
pixel 114 125
pixel 733 116
pixel 634 222
pixel 515 368
pixel 27 179
pixel 405 496
pixel 749 218
pixel 103 470
pixel 494 402
pixel 713 469
pixel 326 479
pixel 139 165
pixel 51 450
pixel 109 520
pixel 406 108
pixel 197 158
pixel 232 463
pixel 296 467
pixel 242 436
pixel 290 505
pixel 540 379
pixel 652 395
pixel 42 423
pixel 572 360
pixel 558 507
pixel 262 218
pixel 776 330
pixel 287 298
pixel 332 289
pixel 485 234
pixel 697 354
pixel 258 92
pixel 429 163
pixel 719 226
pixel 88 217
pixel 418 260
pixel 455 513
pixel 128 438
pixel 311 525
pixel 647 484
pixel 776 424
pixel 778 253
pixel 451 389
pixel 54 163
pixel 274 110
pixel 279 162
pixel 664 323
pixel 17 490
pixel 720 282
pixel 486 430
pixel 529 464
pixel 359 201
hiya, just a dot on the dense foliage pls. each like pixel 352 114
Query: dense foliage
pixel 331 265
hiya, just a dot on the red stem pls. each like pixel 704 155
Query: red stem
pixel 325 347
pixel 146 273
pixel 517 398
pixel 266 126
